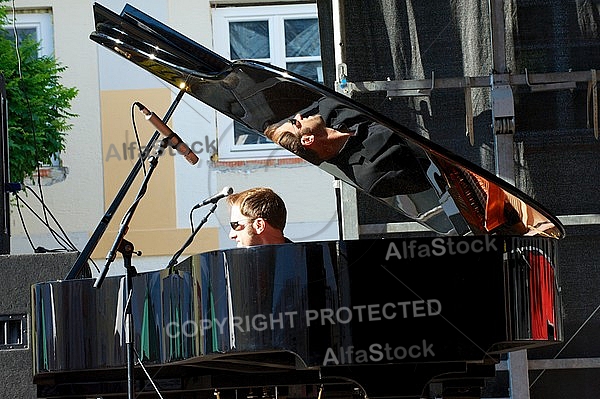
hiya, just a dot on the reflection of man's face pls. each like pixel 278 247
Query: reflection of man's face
pixel 244 233
pixel 301 126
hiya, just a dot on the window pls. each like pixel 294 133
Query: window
pixel 38 25
pixel 13 332
pixel 285 36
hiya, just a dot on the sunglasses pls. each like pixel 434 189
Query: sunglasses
pixel 295 123
pixel 239 226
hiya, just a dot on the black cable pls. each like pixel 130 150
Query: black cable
pixel 137 136
pixel 72 246
pixel 23 223
pixel 54 234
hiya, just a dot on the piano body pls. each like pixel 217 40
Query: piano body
pixel 407 317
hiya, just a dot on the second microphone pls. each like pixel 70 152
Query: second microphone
pixel 226 192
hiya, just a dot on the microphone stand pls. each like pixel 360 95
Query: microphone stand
pixel 173 260
pixel 84 255
pixel 110 257
pixel 126 248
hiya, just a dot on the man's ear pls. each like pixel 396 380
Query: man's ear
pixel 307 140
pixel 259 225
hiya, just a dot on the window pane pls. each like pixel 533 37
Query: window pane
pixel 310 70
pixel 249 39
pixel 22 33
pixel 286 36
pixel 243 135
pixel 302 38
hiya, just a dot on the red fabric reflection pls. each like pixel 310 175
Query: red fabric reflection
pixel 541 285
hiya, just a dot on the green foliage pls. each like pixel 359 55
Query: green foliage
pixel 38 104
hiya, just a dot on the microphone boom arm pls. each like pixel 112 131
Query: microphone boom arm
pixel 173 261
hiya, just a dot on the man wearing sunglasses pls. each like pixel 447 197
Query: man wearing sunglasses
pixel 367 153
pixel 257 217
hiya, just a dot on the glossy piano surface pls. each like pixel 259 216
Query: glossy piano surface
pixel 330 306
pixel 403 170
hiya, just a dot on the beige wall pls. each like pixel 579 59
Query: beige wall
pixel 155 216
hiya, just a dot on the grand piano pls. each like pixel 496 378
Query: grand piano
pixel 405 316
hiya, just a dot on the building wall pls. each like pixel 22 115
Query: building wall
pixel 100 147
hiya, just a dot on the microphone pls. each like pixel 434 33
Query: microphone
pixel 173 139
pixel 227 191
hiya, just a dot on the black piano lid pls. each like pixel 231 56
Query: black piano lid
pixel 423 181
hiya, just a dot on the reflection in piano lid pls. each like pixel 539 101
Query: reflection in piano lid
pixel 399 168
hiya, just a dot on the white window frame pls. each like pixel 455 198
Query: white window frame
pixel 221 17
pixel 41 21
